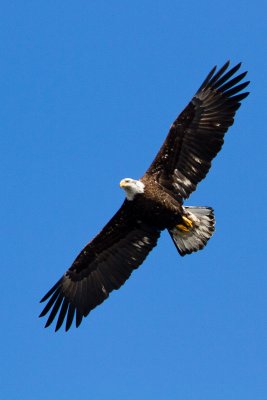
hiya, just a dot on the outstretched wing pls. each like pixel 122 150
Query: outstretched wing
pixel 102 266
pixel 197 135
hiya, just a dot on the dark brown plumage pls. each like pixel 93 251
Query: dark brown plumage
pixel 154 203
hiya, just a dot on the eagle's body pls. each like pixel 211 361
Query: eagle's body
pixel 154 203
pixel 156 206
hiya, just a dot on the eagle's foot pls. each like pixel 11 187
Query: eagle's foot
pixel 188 224
pixel 182 228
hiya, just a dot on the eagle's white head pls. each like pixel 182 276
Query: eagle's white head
pixel 132 187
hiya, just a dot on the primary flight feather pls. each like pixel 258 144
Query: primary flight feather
pixel 154 203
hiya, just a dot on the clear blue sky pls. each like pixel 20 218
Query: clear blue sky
pixel 88 92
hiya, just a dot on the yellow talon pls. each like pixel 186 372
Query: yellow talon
pixel 186 226
pixel 182 227
pixel 187 221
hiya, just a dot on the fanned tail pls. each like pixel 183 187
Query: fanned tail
pixel 196 233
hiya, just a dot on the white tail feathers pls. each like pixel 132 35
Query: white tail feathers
pixel 197 236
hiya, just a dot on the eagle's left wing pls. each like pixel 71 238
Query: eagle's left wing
pixel 102 266
pixel 197 135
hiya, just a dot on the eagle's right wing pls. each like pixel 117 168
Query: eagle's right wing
pixel 197 135
pixel 102 266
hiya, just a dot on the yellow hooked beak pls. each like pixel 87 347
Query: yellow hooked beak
pixel 122 183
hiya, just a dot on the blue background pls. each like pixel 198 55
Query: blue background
pixel 88 92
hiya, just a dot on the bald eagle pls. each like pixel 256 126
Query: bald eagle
pixel 154 203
